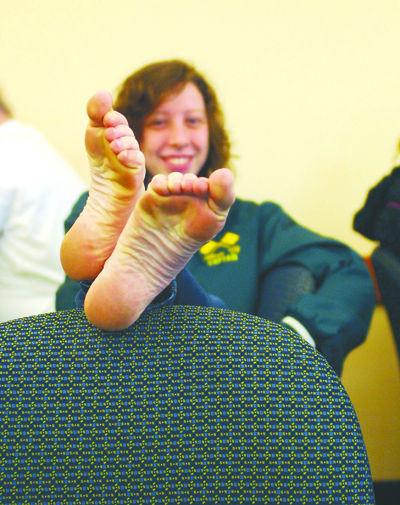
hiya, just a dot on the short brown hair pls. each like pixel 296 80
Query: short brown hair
pixel 146 88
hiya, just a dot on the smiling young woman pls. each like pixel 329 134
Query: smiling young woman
pixel 179 127
pixel 158 86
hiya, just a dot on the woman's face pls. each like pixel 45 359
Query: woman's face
pixel 176 135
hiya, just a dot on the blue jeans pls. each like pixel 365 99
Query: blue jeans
pixel 183 290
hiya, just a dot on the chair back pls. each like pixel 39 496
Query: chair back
pixel 188 405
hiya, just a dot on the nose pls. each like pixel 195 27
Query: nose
pixel 178 134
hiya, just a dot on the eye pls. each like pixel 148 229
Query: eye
pixel 194 121
pixel 156 122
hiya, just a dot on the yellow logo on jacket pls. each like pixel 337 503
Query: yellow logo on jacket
pixel 227 249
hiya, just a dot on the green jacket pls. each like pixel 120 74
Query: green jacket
pixel 260 237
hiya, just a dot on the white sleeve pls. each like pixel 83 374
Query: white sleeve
pixel 299 328
pixel 6 198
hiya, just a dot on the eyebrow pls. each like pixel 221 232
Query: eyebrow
pixel 166 112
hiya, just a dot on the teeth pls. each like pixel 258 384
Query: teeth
pixel 178 161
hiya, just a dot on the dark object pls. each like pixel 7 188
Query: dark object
pixel 387 492
pixel 379 218
pixel 387 271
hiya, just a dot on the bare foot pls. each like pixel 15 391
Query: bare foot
pixel 117 173
pixel 171 221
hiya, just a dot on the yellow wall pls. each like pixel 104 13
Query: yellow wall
pixel 371 377
pixel 311 91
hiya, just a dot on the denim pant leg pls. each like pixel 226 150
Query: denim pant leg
pixel 189 292
pixel 183 290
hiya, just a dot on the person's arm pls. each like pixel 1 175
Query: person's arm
pixel 6 198
pixel 337 313
pixel 378 197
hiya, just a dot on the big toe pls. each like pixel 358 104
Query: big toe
pixel 98 106
pixel 222 192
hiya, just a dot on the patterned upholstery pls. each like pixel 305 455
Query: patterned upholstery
pixel 188 406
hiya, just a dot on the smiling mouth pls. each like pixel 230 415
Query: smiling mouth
pixel 178 162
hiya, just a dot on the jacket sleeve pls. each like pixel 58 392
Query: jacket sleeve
pixel 65 296
pixel 385 191
pixel 337 313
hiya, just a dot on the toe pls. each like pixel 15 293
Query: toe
pixel 114 118
pixel 123 143
pixel 131 158
pixel 175 182
pixel 201 187
pixel 187 183
pixel 222 192
pixel 159 184
pixel 116 132
pixel 98 106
